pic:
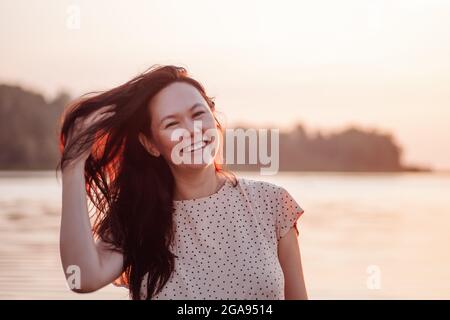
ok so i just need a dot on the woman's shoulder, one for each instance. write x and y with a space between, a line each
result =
268 189
276 200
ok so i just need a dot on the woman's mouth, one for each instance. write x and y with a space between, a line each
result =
197 146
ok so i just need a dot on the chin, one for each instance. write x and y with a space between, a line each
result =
199 166
202 165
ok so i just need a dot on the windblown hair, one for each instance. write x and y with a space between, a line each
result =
132 191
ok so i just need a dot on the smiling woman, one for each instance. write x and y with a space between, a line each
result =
180 111
165 229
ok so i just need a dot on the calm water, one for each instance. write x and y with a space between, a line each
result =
363 236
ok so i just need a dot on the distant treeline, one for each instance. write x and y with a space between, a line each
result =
29 141
28 129
351 149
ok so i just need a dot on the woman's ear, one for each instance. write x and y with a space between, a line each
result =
148 145
213 105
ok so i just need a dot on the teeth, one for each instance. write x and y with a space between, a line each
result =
195 146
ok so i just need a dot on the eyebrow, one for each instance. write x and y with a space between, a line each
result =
198 104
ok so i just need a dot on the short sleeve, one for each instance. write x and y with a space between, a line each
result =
287 213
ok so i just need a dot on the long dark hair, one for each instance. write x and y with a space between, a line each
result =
132 191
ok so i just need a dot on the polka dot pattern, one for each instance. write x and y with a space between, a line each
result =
227 243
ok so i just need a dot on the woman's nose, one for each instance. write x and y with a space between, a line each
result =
195 128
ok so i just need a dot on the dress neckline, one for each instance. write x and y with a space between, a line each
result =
211 196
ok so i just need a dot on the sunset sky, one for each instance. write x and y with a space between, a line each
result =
326 64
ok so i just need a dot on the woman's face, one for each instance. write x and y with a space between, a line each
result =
183 127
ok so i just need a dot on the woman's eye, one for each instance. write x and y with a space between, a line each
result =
170 124
198 113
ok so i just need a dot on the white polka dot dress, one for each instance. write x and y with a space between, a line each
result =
226 243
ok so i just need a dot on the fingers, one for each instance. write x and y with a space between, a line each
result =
106 114
97 116
81 123
106 110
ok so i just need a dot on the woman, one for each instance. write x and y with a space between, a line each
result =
165 229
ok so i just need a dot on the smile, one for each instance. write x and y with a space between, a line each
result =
196 146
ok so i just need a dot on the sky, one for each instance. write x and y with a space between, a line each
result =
381 65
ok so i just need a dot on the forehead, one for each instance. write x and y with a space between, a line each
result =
175 98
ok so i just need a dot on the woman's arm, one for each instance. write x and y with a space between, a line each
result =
290 261
98 265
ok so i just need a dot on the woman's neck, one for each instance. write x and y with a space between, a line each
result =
197 183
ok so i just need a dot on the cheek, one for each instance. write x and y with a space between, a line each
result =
166 142
210 126
208 122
